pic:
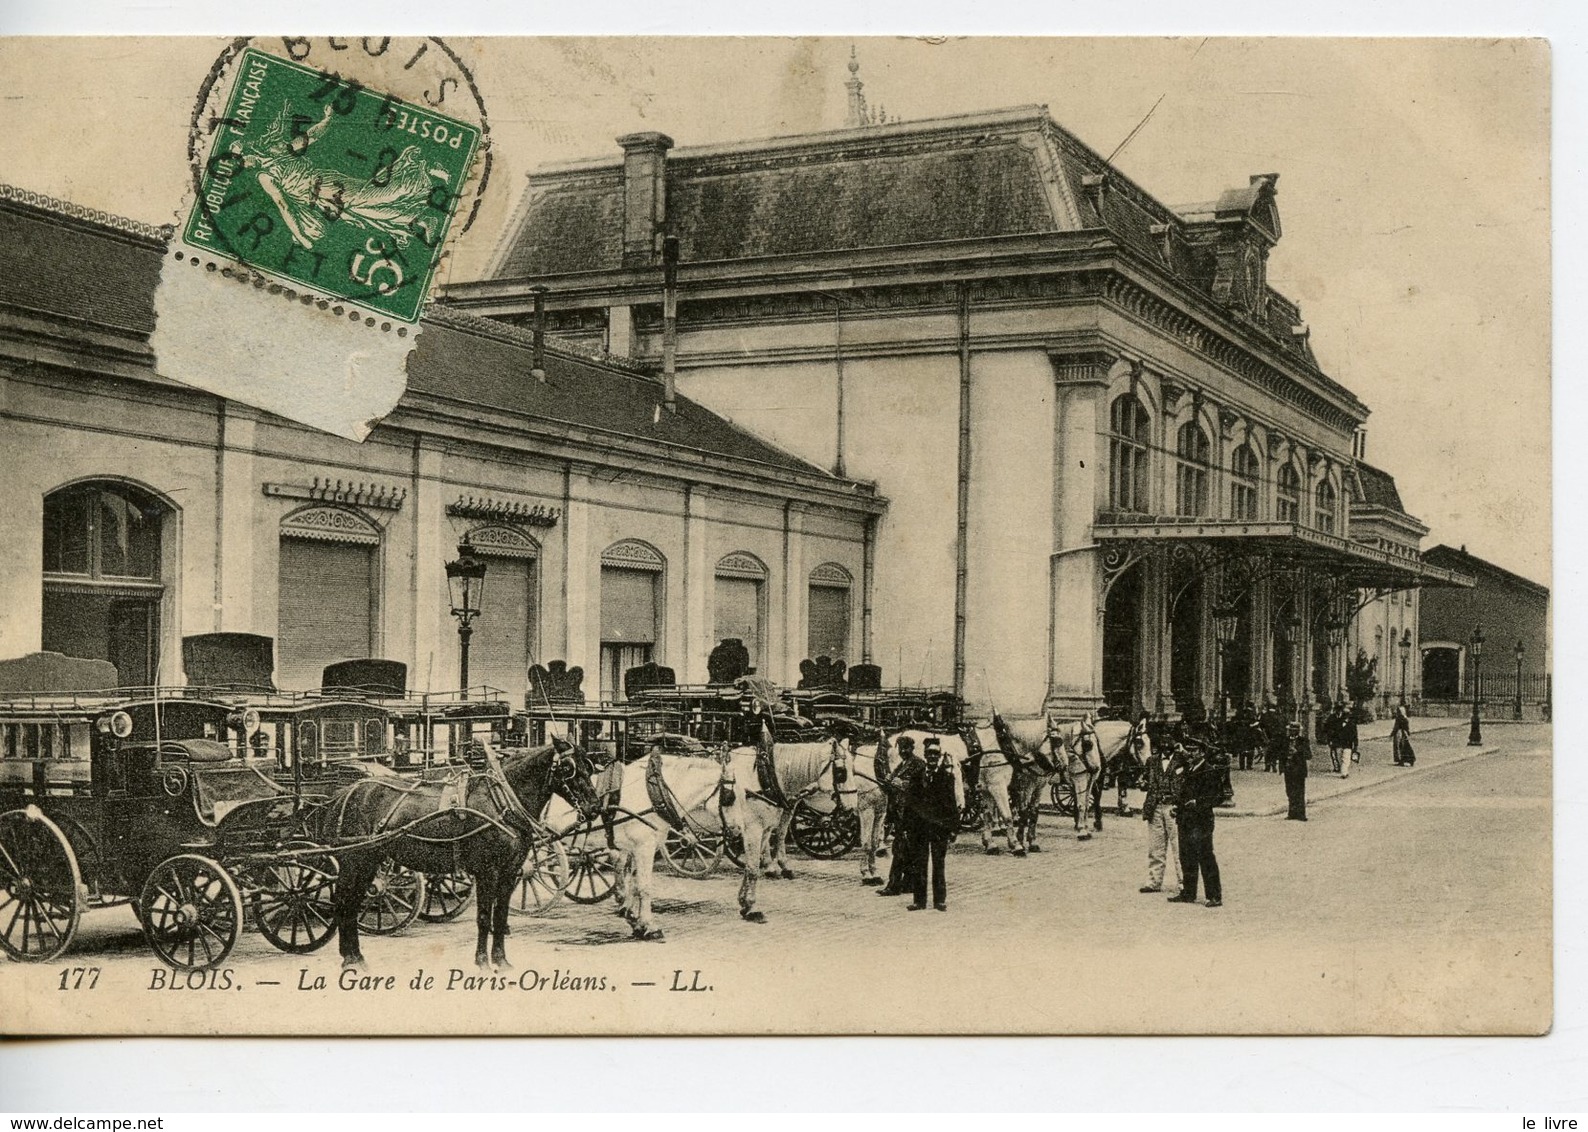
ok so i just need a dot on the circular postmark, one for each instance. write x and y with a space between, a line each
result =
336 168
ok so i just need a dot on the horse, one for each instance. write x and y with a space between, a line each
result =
771 779
478 822
1075 753
995 781
870 761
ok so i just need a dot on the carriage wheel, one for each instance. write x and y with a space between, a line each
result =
970 816
39 886
825 837
591 874
692 855
1063 796
192 912
394 899
294 905
545 878
446 895
91 866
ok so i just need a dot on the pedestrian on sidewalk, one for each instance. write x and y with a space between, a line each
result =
1273 725
900 879
933 800
1297 753
1343 743
1401 739
1162 773
1200 792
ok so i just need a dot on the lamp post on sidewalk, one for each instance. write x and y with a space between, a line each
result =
466 584
1406 654
1520 649
1475 647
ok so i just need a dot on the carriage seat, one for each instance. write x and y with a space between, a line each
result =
217 792
198 751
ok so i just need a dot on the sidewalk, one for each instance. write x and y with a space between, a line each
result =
1259 794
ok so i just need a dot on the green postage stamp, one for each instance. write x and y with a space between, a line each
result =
316 180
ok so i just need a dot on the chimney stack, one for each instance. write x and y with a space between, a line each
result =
644 195
670 323
537 365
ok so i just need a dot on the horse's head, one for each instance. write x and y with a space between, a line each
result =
571 770
843 774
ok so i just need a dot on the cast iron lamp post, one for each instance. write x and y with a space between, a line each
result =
1226 620
1406 654
1520 649
466 584
1475 645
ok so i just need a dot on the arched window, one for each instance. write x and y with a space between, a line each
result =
103 544
739 604
829 607
1127 455
1288 509
1323 511
327 593
1191 471
632 573
505 635
1243 483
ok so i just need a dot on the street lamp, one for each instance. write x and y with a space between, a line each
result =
1335 631
1226 620
466 584
1475 645
1519 651
1406 655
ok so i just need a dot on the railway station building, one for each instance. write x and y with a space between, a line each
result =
1116 473
618 526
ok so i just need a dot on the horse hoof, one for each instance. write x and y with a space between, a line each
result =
1021 852
882 852
352 961
787 874
649 935
990 850
753 917
1033 848
871 882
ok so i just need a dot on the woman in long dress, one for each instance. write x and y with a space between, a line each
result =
1401 739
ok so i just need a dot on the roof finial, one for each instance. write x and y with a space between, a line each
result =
857 101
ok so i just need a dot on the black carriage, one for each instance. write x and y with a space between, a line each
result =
145 797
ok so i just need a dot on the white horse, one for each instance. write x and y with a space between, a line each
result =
760 812
1073 753
695 787
994 782
869 764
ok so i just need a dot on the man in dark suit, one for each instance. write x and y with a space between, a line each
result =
900 880
1201 790
933 797
1296 755
1273 725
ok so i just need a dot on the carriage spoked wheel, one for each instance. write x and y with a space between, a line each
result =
825 837
970 816
591 874
192 912
394 899
446 895
39 887
294 901
687 853
1062 794
545 878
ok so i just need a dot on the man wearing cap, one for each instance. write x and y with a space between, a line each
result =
900 880
1161 774
1344 739
1297 752
933 800
1201 791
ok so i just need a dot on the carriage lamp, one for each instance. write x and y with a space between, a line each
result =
1406 654
1520 651
466 584
119 725
1475 646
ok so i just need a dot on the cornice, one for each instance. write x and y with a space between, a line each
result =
80 216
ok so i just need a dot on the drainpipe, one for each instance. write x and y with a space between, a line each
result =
537 365
868 574
962 502
670 324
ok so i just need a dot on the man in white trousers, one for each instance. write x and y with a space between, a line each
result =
1163 772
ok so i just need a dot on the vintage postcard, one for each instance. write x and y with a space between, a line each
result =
775 536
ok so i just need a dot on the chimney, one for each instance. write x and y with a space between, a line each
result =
670 323
644 195
537 365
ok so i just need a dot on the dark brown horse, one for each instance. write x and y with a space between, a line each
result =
480 823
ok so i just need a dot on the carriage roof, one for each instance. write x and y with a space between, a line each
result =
629 712
90 704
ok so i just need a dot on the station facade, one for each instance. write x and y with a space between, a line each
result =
1116 472
617 529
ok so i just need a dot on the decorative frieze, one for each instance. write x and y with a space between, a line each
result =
378 496
504 511
504 542
632 554
330 524
741 565
831 574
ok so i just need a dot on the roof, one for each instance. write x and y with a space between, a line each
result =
1378 488
67 262
1458 559
483 362
1002 173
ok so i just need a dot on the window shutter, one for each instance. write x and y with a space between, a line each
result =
628 605
325 597
503 633
737 613
829 622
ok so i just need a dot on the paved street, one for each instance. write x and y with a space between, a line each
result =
1419 899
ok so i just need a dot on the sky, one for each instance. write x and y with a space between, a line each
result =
1413 186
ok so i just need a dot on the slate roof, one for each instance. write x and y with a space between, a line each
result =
999 174
1378 488
62 261
1454 558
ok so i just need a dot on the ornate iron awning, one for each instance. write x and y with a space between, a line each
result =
1128 538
